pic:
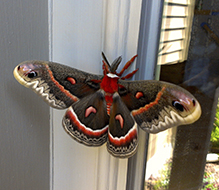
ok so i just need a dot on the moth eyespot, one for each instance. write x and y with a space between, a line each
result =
71 80
120 119
32 74
90 110
193 102
178 105
139 95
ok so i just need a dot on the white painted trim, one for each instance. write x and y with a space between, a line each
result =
148 44
80 31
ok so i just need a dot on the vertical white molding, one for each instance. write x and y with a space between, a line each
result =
121 29
77 42
120 38
80 31
148 43
50 11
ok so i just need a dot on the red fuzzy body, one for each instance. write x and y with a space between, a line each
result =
110 86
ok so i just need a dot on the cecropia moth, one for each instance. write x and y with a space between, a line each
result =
107 108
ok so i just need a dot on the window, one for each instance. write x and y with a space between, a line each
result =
194 50
176 27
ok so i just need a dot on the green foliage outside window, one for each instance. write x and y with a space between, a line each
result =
215 131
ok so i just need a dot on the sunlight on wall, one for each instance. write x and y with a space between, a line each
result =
159 151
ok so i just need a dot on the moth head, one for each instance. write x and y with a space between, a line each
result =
27 72
111 75
107 68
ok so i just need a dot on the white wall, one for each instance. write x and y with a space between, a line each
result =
24 117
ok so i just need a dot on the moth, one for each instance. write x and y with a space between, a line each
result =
108 109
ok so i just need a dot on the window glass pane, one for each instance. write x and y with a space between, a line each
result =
173 23
176 26
177 157
176 11
169 58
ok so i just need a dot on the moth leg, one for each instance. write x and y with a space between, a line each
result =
127 65
129 75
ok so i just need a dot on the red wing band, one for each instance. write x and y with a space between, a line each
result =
124 146
81 133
